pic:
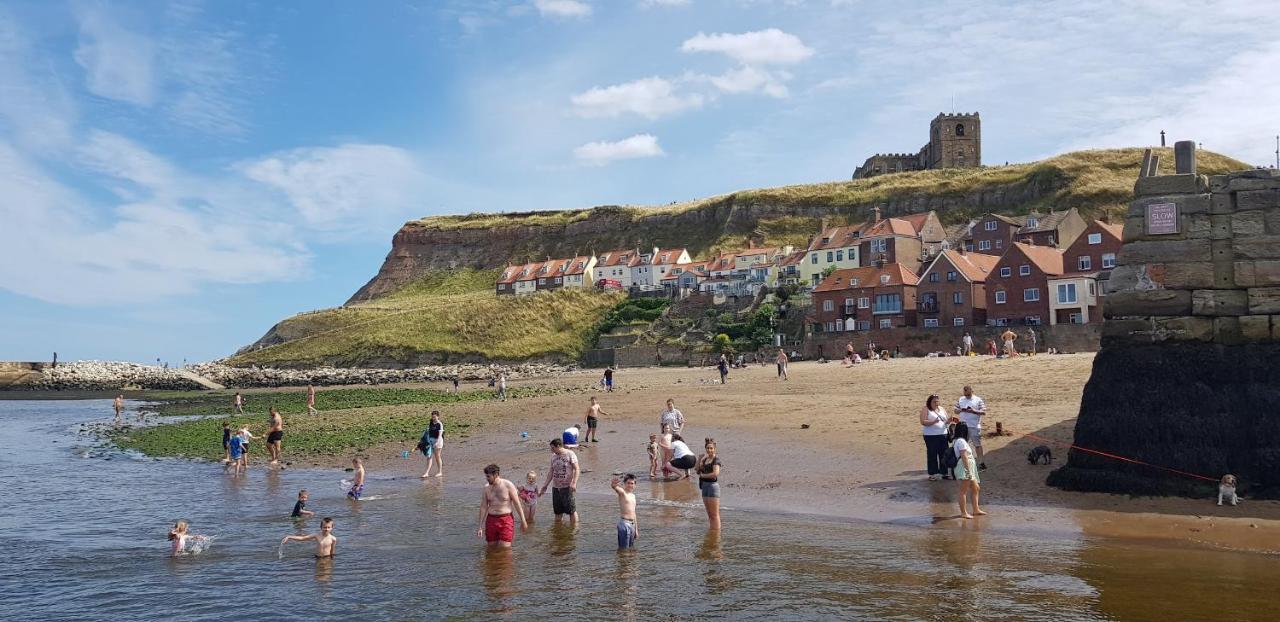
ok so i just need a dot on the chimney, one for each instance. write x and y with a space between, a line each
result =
876 213
823 225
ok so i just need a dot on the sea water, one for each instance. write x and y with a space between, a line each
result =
83 535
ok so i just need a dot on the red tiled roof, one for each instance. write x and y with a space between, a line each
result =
1048 259
794 258
837 237
917 221
974 266
868 277
667 256
1114 229
578 265
510 274
626 257
533 271
891 226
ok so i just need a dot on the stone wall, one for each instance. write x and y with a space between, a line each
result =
915 341
1187 377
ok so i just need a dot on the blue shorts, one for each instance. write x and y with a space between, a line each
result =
355 492
235 455
626 533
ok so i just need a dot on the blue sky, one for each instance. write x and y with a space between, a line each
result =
177 176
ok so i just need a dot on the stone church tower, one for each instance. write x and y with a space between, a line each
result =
955 141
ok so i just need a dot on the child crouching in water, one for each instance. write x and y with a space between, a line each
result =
529 495
180 541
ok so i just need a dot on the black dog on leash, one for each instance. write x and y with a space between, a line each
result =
1041 452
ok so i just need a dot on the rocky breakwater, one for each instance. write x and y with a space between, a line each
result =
114 376
1186 380
247 377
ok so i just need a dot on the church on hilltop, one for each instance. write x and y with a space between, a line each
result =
955 141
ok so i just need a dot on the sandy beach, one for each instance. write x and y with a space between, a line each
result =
861 456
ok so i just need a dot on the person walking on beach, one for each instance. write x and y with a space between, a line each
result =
119 406
970 408
1031 338
628 531
326 542
671 417
782 360
455 385
608 379
966 344
502 386
311 400
563 479
499 505
432 444
933 424
708 469
274 436
966 472
723 366
239 403
681 456
593 421
1008 336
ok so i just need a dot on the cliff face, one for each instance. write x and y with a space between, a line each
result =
422 246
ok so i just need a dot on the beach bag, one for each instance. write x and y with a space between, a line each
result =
950 459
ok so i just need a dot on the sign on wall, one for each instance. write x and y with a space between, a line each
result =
1162 218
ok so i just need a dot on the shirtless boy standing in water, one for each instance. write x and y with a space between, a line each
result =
627 529
326 542
357 481
119 405
499 505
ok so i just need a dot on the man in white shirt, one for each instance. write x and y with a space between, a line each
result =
971 409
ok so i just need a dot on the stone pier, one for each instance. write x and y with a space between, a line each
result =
1188 374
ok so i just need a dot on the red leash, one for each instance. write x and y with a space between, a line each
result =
1121 458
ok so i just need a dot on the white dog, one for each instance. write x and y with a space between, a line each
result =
1227 490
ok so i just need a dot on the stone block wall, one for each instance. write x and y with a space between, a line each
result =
916 341
1188 374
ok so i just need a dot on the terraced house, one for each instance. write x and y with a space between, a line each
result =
546 275
952 289
836 247
881 296
657 265
1017 288
993 233
616 266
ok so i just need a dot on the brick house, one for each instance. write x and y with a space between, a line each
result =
992 234
892 240
506 285
1017 288
881 296
1055 229
1094 249
952 289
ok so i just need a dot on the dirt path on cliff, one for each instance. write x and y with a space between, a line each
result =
861 455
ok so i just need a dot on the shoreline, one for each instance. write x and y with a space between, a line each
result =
857 461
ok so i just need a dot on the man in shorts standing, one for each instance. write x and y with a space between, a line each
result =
1007 337
563 479
311 400
782 364
593 420
1031 337
499 505
608 379
627 529
971 409
275 435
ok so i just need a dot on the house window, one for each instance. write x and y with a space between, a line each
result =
1066 293
1032 320
542 281
931 322
830 256
1095 238
828 305
813 259
1006 272
839 325
957 321
1084 262
958 298
559 280
1002 321
1092 289
886 323
1031 294
1000 298
864 324
999 243
934 277
990 225
984 245
880 245
864 302
1024 270
831 326
951 276
1032 223
839 255
884 279
501 286
848 302
888 303
1076 318
1108 260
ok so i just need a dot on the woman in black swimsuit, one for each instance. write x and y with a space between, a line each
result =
708 468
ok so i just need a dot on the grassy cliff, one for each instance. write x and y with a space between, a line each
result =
441 318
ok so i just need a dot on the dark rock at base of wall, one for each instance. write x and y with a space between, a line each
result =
1201 408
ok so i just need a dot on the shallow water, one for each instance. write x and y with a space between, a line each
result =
84 538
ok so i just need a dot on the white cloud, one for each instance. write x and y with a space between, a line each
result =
119 63
352 186
602 153
648 97
562 8
763 47
751 79
36 111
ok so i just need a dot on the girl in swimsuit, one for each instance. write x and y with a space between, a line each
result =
179 539
529 495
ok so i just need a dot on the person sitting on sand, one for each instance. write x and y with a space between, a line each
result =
682 457
966 472
326 542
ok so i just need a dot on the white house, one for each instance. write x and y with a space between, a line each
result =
1073 299
659 265
616 266
642 271
580 269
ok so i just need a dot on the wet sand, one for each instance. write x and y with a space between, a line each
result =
861 456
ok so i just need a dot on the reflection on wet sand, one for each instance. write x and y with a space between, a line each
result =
324 569
498 567
563 538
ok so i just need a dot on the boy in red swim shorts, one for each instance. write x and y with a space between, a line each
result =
499 507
